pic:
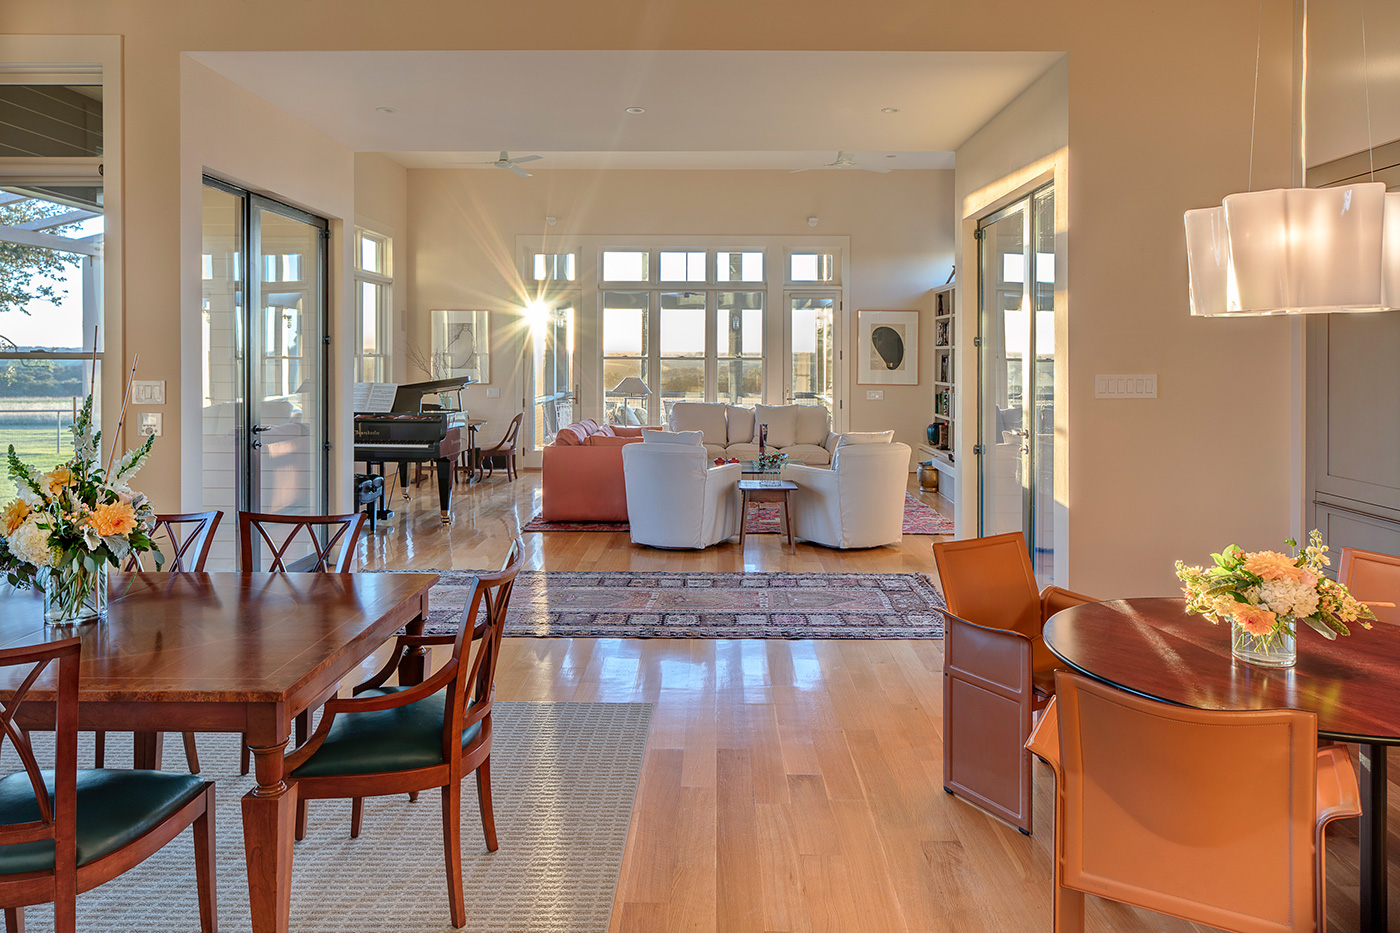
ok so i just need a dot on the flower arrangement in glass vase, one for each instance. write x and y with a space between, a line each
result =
66 527
1264 594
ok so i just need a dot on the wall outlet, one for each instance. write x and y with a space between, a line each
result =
148 391
875 395
148 422
1138 385
493 393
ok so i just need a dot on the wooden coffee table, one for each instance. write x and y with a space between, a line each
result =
767 490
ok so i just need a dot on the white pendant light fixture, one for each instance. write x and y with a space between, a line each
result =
1296 250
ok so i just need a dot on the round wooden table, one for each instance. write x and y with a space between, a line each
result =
1151 647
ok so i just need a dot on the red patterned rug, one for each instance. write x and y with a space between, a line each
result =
765 519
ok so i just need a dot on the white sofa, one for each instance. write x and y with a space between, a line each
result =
675 497
803 432
858 502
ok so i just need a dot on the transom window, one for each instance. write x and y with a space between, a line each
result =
812 267
556 267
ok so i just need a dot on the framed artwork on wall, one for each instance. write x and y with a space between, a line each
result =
462 344
887 348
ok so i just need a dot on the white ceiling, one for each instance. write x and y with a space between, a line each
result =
704 109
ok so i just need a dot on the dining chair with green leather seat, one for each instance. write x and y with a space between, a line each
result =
64 831
392 740
1213 816
997 672
188 552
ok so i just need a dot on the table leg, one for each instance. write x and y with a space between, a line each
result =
787 518
269 817
743 517
146 749
1374 909
413 667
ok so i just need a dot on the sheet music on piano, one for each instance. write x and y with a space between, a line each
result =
375 396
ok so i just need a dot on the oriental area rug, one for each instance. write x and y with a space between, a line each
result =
766 519
702 604
564 777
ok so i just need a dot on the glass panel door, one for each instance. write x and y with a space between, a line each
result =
812 338
1017 363
224 348
552 363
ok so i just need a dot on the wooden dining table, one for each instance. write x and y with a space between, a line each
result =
1151 647
226 652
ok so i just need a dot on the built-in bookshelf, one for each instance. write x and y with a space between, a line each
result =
943 418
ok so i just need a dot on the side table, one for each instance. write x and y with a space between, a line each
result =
767 490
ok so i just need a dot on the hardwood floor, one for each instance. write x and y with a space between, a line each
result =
788 786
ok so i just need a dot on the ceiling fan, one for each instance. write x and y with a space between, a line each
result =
843 160
507 163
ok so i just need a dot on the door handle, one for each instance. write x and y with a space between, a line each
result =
258 428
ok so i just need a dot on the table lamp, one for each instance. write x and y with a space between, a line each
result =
631 388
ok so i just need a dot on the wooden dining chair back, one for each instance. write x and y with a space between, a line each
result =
282 538
65 831
1212 816
505 451
1372 577
189 548
394 740
997 672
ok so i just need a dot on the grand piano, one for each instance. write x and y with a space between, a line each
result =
415 433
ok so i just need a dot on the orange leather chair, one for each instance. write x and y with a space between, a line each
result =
1372 577
1212 816
997 671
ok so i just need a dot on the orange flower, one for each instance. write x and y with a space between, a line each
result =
1271 565
57 478
116 518
1253 620
13 516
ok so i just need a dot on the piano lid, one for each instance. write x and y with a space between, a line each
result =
410 396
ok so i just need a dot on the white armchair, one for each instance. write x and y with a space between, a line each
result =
676 499
859 502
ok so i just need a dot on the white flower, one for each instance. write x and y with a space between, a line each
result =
30 543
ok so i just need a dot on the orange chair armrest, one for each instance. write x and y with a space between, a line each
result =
996 659
1044 740
1338 795
1054 598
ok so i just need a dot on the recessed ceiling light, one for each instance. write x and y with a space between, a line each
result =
636 110
889 110
385 110
890 156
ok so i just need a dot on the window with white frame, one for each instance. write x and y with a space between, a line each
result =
374 285
553 267
813 267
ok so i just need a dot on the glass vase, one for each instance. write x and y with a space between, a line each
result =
1279 648
73 594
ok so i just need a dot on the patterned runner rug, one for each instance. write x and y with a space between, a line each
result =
564 778
667 604
765 519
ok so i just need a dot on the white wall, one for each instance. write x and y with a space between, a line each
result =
381 205
464 223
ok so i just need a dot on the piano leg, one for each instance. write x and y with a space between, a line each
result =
403 478
385 513
444 476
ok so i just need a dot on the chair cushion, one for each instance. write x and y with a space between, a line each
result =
672 437
115 807
781 421
705 417
716 450
385 740
813 424
740 424
1043 667
809 454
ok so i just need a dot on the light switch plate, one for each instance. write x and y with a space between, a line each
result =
493 393
148 392
1135 385
148 422
875 395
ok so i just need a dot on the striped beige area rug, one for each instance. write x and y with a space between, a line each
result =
564 777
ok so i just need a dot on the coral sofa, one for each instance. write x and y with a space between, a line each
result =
803 432
582 469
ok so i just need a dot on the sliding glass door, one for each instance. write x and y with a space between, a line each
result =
1017 363
265 359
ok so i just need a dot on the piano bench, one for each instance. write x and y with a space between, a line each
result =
369 489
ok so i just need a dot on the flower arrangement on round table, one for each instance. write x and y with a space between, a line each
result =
67 526
1263 594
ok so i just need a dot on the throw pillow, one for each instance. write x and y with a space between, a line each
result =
867 437
605 430
571 436
672 437
781 421
813 424
741 424
705 417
